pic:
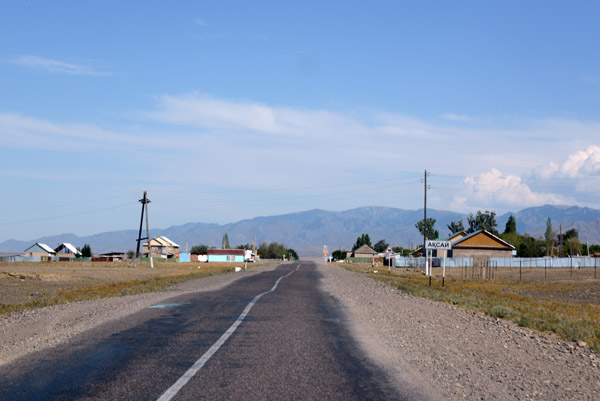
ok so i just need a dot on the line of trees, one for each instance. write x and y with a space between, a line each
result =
552 244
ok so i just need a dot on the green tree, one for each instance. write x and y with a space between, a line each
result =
380 246
482 221
130 254
364 239
430 232
455 226
271 251
291 254
225 242
571 244
531 247
401 251
511 225
339 254
86 251
199 249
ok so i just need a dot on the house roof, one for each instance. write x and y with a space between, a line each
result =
162 241
364 249
69 247
457 236
485 239
44 247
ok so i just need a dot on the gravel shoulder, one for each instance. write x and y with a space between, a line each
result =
37 329
456 354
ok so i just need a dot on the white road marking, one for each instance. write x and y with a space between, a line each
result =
174 389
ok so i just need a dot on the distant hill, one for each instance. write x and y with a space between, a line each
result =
308 231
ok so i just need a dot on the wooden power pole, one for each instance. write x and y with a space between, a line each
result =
144 201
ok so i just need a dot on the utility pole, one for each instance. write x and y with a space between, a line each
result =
425 253
144 201
560 243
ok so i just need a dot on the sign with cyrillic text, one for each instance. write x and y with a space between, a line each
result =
444 245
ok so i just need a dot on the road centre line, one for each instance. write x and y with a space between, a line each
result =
174 389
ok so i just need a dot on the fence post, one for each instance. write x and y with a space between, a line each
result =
571 261
520 269
545 268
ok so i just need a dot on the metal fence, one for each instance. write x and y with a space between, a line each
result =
436 262
41 259
20 259
575 263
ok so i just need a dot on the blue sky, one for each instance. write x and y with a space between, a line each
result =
230 110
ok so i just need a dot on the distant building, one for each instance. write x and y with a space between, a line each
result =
67 250
39 250
364 254
113 256
481 245
226 255
162 247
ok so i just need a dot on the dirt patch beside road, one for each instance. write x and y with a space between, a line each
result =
459 354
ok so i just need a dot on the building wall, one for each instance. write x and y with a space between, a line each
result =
36 254
481 253
226 258
364 256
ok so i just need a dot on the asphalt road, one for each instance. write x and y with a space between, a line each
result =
291 345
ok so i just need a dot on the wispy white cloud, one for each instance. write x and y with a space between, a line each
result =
535 163
38 134
55 66
463 118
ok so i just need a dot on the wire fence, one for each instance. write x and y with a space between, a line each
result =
508 268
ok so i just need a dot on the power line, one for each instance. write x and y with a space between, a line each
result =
68 215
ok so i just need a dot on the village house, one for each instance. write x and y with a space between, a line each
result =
226 255
162 247
66 250
481 245
39 250
363 254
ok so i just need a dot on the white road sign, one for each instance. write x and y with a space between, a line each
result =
429 244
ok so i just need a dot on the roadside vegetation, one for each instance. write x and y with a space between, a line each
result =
569 309
119 283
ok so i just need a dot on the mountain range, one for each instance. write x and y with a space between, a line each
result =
307 232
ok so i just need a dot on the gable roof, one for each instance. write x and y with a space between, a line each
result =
482 239
70 248
364 249
43 247
161 241
457 236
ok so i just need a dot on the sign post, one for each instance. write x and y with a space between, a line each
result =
389 253
441 245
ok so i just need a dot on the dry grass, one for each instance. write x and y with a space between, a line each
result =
570 309
33 285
